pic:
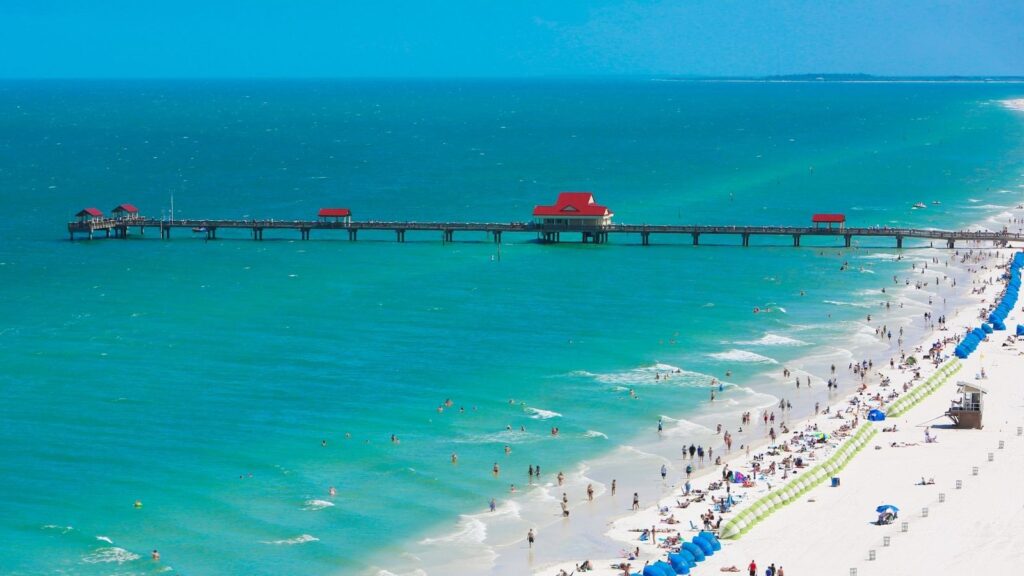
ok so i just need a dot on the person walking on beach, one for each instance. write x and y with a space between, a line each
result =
590 492
664 471
636 501
613 487
752 569
493 505
530 537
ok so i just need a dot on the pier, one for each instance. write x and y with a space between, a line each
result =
575 214
549 233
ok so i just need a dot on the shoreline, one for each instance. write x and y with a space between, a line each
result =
767 534
487 548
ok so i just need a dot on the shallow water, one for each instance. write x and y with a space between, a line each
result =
201 378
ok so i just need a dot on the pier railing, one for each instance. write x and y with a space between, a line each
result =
546 232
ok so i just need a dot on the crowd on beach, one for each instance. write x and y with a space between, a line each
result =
785 448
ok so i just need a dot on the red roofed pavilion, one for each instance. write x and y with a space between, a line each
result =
573 208
89 214
829 219
337 214
125 211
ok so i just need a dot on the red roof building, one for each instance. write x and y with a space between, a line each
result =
337 214
89 214
574 208
829 219
125 211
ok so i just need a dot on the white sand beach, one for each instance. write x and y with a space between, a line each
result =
968 521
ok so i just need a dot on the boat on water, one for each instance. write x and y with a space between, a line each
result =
198 229
919 205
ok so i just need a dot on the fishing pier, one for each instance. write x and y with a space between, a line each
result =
575 215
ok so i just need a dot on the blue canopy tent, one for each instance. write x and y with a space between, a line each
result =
876 415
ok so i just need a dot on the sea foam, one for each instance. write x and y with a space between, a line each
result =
770 339
297 540
736 355
111 554
470 530
317 504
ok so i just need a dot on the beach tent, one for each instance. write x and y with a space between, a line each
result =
692 548
876 415
679 564
704 545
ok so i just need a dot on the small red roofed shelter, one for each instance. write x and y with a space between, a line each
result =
336 214
829 219
89 214
573 208
125 211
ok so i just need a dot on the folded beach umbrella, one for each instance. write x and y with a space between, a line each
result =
987 328
998 325
1020 329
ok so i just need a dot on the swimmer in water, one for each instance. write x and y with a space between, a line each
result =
332 491
455 458
156 555
496 469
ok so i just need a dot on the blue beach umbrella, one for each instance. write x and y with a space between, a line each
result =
887 508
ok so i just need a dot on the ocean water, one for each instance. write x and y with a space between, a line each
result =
201 378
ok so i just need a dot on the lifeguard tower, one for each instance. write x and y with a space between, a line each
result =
966 412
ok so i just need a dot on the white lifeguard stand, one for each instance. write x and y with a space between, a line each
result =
967 412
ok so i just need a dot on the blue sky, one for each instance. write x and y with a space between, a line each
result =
465 38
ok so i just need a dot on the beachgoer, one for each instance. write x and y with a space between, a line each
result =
664 471
613 487
636 501
530 537
561 478
332 491
156 555
590 492
496 469
455 458
493 505
752 568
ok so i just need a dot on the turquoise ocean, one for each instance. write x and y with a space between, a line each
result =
202 378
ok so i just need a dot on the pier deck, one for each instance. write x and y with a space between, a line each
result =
119 228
